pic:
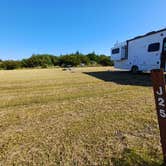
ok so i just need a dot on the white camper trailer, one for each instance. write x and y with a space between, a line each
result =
142 53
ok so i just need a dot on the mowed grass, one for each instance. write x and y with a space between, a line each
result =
89 116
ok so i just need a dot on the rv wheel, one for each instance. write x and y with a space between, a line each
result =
134 69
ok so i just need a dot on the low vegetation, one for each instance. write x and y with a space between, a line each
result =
87 116
45 61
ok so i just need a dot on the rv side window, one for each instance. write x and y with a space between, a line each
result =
154 47
115 51
165 46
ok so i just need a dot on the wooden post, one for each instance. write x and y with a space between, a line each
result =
158 80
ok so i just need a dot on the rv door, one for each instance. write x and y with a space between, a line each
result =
163 55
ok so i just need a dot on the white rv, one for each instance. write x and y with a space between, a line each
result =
142 53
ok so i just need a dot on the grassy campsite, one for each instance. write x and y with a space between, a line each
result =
86 116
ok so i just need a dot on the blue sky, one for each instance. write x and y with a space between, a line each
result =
63 26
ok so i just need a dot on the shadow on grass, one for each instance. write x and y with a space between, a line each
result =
130 158
123 77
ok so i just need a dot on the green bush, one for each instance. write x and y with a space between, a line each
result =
105 61
67 60
43 60
93 57
54 60
10 64
46 60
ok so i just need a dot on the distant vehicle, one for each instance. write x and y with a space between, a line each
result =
142 53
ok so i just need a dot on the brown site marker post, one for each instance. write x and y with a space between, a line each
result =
158 80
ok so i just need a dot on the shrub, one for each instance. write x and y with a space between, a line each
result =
105 60
10 64
66 60
46 60
93 57
39 61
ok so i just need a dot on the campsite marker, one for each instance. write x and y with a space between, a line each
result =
158 80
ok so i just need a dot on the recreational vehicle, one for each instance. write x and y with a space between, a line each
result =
142 53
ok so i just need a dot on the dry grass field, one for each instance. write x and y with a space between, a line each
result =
87 117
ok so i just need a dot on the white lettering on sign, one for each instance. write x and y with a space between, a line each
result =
160 92
161 102
162 113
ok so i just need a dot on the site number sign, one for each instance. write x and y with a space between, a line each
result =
158 80
161 102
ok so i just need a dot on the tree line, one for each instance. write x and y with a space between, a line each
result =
46 60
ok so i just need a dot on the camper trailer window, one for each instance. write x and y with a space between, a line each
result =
115 51
154 47
165 46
